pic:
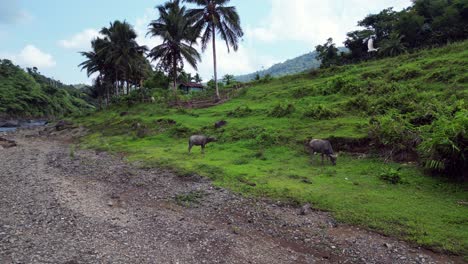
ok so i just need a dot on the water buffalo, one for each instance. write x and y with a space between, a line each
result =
200 140
323 147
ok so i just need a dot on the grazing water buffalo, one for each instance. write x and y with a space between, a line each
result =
323 147
200 140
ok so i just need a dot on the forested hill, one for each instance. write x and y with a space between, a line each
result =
31 94
299 64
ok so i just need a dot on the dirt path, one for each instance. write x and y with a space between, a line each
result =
85 207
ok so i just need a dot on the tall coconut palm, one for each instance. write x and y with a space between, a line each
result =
178 35
215 17
122 50
116 57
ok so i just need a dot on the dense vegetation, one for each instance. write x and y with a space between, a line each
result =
30 94
408 108
426 23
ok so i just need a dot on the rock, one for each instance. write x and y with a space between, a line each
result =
387 245
305 209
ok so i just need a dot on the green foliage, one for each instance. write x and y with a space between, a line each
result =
445 145
281 110
31 94
240 111
393 131
327 54
320 112
392 176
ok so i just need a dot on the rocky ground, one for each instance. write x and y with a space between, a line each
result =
60 205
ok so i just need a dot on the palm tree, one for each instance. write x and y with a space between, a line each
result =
122 50
392 45
178 35
215 17
117 57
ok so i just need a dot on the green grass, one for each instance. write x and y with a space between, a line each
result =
258 154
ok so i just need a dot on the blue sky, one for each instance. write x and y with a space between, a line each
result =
49 34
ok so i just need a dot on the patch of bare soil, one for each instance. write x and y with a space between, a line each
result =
87 207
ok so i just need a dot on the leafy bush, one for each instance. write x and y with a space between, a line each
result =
392 176
267 138
346 85
445 146
320 112
282 111
358 103
240 111
302 92
393 132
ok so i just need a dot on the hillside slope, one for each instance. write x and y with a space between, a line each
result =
395 103
32 95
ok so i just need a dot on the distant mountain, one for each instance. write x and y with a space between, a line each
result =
292 66
299 64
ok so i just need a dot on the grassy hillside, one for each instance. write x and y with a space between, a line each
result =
33 95
260 152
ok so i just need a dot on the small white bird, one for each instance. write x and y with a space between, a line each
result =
370 44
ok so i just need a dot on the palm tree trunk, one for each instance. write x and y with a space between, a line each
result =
174 64
214 62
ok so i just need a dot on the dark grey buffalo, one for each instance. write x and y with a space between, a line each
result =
200 140
323 147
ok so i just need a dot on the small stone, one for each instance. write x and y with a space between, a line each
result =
333 247
388 245
110 204
305 209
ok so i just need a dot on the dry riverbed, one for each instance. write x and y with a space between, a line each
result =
59 205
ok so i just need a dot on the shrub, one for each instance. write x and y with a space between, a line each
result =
240 111
302 92
267 138
358 103
394 133
320 112
391 176
347 85
282 111
445 146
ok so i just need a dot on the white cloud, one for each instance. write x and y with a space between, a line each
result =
30 56
141 28
81 40
313 21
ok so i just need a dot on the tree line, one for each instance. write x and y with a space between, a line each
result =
121 64
426 23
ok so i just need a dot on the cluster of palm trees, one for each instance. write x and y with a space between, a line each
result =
117 59
121 64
